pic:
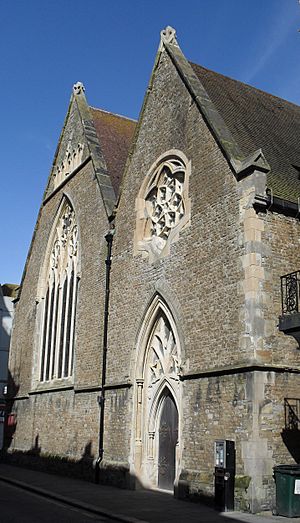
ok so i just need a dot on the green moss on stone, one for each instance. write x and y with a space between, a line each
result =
242 482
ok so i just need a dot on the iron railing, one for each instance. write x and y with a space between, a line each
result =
292 413
290 288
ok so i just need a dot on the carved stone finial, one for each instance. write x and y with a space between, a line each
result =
78 88
168 35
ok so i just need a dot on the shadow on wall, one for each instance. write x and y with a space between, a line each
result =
144 505
35 459
117 475
291 439
114 475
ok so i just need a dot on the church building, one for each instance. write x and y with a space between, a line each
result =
162 285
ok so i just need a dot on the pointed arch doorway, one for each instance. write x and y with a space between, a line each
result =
167 442
156 445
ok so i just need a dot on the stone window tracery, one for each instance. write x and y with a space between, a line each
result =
163 355
59 313
71 161
163 206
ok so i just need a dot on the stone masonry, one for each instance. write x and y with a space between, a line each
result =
194 323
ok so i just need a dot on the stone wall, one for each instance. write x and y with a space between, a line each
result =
247 408
200 275
282 239
221 285
221 281
199 279
63 422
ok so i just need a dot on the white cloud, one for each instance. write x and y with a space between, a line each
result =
281 24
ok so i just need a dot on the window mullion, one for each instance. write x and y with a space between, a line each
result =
47 333
66 322
76 283
50 334
73 311
56 328
53 327
44 335
60 301
69 319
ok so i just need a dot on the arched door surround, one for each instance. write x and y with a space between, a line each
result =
156 445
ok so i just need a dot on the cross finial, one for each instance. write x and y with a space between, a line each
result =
78 88
168 35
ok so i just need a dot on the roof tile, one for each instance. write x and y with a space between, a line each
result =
259 120
115 134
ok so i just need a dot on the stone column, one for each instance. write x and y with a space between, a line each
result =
151 445
138 427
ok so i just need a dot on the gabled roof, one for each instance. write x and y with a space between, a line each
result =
256 120
115 134
108 137
255 130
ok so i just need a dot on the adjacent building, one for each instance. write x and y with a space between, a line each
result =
8 292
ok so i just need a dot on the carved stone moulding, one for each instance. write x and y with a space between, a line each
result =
163 206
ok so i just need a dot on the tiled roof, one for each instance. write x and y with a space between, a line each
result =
259 120
115 134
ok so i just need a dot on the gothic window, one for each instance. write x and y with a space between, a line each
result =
59 314
163 205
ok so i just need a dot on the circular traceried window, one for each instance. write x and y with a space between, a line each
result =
163 209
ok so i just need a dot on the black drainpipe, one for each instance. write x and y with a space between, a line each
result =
101 398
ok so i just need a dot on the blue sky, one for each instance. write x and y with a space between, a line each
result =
48 45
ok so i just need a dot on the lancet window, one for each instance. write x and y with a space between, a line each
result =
59 313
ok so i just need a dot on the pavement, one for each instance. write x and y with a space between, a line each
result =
128 506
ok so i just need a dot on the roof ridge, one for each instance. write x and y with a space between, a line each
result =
114 114
245 84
